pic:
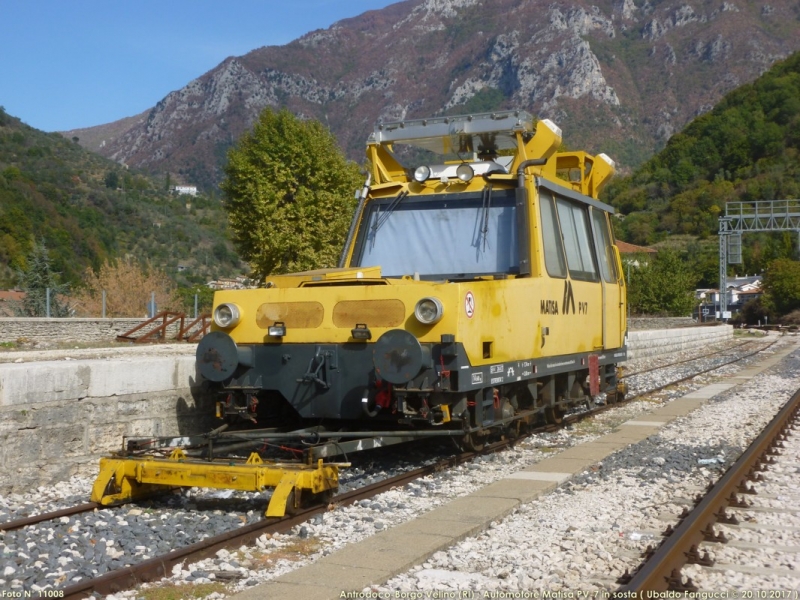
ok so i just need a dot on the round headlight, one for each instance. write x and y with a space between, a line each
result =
464 172
226 315
422 173
429 310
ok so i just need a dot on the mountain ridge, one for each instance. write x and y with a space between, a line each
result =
619 76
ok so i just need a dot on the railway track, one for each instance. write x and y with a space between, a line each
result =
50 515
573 418
687 360
694 374
687 541
161 566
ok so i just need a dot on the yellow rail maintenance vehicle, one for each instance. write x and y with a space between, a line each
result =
477 292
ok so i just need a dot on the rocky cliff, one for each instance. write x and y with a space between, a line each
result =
619 76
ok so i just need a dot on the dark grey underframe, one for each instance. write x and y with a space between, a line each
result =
514 371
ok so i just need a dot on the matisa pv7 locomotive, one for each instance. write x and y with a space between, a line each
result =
477 291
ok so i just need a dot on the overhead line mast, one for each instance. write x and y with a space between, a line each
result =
743 217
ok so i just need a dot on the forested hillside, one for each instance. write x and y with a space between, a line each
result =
747 149
88 209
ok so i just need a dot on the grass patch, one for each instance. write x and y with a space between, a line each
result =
748 333
294 551
179 592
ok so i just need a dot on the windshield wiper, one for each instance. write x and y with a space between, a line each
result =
486 204
384 215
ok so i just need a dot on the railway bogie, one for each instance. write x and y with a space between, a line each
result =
475 292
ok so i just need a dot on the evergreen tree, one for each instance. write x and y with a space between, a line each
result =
289 195
35 279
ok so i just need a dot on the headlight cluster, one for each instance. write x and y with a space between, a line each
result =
464 172
226 315
429 310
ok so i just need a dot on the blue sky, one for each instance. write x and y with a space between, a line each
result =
76 63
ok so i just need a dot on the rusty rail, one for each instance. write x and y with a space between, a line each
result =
662 569
49 516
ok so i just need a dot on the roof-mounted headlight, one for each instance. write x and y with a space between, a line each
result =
464 172
429 310
422 173
226 315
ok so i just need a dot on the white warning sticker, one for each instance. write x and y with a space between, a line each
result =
469 304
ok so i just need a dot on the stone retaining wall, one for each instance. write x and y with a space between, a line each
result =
32 329
57 418
658 342
637 323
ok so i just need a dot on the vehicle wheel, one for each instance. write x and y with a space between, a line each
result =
513 431
554 415
472 442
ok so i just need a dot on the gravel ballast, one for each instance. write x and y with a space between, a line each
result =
593 526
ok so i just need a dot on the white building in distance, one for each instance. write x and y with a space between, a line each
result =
185 189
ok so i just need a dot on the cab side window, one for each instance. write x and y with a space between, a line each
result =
551 237
602 242
574 220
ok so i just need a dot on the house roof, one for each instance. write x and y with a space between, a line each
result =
13 295
747 279
626 248
6 298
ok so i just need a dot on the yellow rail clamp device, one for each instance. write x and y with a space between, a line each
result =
128 479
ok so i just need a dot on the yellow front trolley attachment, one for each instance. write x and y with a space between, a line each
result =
128 479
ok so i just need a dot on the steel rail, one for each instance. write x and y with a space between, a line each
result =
662 570
49 516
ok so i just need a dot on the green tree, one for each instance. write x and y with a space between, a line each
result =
35 279
663 284
782 285
754 312
288 194
112 180
205 299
